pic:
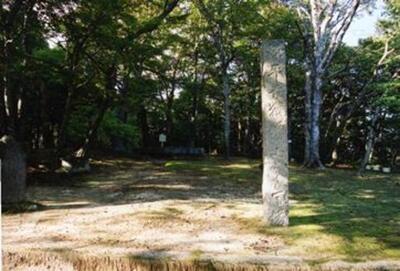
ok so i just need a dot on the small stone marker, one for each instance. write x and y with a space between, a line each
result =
275 186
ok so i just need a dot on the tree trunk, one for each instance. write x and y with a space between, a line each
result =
369 144
313 102
12 171
111 77
169 120
195 109
308 115
334 154
246 135
144 126
74 58
239 145
315 160
118 143
3 82
45 122
65 118
12 110
195 100
83 151
394 159
227 113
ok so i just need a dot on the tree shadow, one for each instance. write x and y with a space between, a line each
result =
126 181
364 212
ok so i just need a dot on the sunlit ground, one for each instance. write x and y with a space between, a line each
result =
209 209
333 213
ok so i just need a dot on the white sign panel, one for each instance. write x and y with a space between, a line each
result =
162 138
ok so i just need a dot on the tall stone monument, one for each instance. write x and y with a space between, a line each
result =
275 186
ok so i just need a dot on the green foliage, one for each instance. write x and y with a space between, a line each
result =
79 123
112 128
161 69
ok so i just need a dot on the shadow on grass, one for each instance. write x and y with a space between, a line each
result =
333 209
363 212
135 181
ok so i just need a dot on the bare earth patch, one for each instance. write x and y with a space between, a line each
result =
138 210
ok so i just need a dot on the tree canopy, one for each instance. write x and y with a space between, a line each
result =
84 76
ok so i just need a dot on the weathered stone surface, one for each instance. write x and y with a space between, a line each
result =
13 171
274 133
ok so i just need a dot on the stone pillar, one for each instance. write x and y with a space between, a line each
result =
275 186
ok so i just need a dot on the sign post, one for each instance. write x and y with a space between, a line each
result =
162 138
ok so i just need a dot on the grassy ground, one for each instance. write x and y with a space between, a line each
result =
333 212
207 208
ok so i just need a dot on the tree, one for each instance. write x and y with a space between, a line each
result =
228 24
386 85
101 39
323 25
13 170
219 33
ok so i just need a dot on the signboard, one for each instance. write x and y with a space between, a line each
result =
162 138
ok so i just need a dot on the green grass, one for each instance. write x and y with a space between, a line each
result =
237 171
334 212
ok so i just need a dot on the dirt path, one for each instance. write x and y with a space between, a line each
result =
141 209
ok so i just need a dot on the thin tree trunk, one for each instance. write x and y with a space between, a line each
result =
83 151
193 121
47 131
394 159
3 87
246 135
369 144
170 103
308 116
144 126
334 153
118 143
66 114
8 104
74 58
227 114
239 137
169 119
11 107
195 111
315 160
3 115
193 139
313 102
